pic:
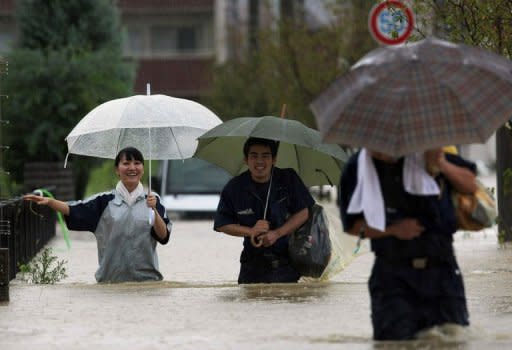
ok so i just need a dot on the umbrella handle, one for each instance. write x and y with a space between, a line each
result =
151 217
283 110
268 194
256 242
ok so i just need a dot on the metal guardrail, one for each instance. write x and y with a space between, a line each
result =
26 228
4 274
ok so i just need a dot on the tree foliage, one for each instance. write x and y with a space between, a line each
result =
66 61
293 63
56 24
486 24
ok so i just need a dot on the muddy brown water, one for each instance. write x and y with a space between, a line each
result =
200 306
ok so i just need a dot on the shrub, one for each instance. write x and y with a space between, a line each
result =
45 268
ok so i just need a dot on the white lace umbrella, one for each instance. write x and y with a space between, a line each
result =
160 126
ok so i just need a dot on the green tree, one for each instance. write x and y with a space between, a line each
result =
486 24
66 61
291 63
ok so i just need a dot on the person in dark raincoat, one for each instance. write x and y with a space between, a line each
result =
408 214
241 212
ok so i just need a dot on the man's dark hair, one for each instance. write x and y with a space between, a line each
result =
129 153
260 141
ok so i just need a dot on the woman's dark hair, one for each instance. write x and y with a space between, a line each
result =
251 141
129 153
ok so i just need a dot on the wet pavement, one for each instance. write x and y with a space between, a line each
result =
200 306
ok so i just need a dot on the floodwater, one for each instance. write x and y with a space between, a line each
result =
200 306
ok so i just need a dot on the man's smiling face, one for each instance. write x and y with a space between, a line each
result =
260 161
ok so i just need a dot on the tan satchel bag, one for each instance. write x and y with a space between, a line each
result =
475 211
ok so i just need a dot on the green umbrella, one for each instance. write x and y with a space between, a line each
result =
300 148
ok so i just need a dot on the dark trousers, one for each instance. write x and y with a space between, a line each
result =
407 297
267 268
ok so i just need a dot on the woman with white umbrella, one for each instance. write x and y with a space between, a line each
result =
126 239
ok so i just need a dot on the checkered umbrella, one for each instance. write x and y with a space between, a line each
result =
416 96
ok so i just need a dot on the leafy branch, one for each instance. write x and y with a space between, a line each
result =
44 269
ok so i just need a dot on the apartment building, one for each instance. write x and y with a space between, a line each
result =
172 42
176 42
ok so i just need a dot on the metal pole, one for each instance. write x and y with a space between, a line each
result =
148 93
503 190
4 274
4 223
151 217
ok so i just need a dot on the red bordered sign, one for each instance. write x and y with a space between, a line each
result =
391 17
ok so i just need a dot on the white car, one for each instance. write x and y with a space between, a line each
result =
190 186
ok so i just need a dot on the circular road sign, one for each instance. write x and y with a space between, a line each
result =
391 22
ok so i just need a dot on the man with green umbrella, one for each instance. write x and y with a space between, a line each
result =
265 203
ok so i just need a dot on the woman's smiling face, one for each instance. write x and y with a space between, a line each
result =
130 172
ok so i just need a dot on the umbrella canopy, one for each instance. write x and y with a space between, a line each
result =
300 148
161 127
412 97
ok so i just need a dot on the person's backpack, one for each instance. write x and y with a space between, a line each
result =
310 246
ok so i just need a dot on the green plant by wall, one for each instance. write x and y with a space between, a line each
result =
45 268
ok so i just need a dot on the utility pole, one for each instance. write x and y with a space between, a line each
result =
5 225
254 25
503 161
3 147
504 183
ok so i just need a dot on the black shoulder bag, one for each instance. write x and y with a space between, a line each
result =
310 246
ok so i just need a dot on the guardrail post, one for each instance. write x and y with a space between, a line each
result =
4 274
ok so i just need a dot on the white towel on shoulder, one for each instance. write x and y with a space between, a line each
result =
367 196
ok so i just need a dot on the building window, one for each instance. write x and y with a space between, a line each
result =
163 40
6 39
173 40
187 39
168 40
135 41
